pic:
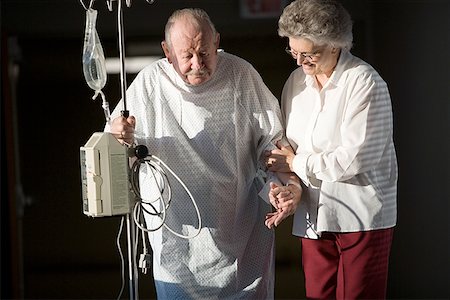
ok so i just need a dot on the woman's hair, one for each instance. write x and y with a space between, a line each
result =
197 14
324 22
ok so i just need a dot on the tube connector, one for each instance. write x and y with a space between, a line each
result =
145 262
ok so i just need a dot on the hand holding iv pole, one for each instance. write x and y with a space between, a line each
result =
123 129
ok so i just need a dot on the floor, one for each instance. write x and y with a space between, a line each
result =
77 266
105 283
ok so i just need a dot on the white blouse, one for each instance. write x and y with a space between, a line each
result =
345 153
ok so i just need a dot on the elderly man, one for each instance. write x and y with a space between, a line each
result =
210 117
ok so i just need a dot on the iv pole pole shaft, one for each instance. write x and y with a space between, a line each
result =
123 78
132 270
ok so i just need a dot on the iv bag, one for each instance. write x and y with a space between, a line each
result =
94 68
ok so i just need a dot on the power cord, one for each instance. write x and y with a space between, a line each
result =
157 207
156 165
122 260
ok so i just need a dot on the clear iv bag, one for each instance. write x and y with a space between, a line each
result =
94 68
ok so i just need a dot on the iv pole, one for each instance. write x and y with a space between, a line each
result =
131 234
131 229
123 80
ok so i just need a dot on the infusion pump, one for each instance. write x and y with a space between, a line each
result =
105 181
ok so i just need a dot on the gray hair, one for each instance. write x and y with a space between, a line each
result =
324 22
196 14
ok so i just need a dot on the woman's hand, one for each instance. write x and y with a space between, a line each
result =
280 160
285 199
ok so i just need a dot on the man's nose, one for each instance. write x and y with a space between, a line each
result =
197 62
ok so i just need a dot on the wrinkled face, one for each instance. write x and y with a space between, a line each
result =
314 59
193 51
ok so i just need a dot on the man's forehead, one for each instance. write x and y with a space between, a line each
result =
190 38
191 27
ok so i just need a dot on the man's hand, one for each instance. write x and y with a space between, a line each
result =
123 129
285 199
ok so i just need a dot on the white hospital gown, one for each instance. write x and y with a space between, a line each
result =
212 136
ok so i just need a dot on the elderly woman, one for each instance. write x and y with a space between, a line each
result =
338 117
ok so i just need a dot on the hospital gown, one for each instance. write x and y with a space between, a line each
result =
213 137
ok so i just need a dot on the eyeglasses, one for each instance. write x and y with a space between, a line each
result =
311 57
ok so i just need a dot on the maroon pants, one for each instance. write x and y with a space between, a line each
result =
347 265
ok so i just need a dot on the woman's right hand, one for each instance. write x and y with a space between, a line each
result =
280 160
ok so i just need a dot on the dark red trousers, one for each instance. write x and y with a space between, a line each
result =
347 265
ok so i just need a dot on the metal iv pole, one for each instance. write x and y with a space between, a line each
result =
131 229
131 234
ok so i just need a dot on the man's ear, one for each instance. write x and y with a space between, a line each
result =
166 50
217 42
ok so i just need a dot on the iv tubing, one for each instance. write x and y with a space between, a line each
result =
193 202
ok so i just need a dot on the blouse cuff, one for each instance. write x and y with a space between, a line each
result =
299 166
295 183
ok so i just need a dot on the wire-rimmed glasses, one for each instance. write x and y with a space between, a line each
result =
311 57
